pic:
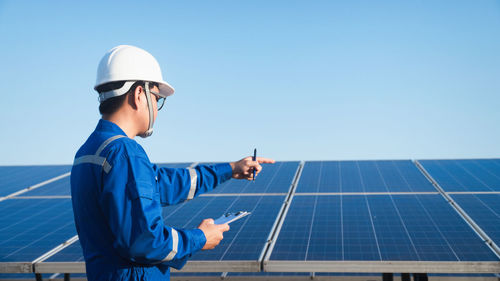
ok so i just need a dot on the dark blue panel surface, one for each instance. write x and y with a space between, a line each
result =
465 175
15 178
274 178
59 187
377 227
362 176
33 227
247 236
484 209
73 253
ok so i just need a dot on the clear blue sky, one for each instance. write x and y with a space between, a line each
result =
299 80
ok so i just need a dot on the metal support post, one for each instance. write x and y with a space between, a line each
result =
420 277
387 277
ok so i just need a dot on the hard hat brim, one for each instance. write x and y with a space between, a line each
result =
165 89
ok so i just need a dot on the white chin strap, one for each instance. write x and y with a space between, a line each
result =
149 132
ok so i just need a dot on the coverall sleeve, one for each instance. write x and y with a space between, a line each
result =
134 216
178 185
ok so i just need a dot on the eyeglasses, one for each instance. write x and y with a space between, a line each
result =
160 101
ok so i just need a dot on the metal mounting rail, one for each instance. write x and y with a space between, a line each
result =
494 247
282 216
382 266
56 250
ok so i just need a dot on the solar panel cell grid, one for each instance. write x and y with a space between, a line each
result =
60 187
484 209
377 227
465 175
247 236
274 178
362 176
15 178
33 227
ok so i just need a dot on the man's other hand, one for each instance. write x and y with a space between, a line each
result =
243 169
213 233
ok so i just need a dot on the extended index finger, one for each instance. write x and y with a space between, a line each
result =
265 160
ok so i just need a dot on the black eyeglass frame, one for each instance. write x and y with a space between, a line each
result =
160 101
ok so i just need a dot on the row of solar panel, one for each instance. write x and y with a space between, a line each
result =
356 224
318 176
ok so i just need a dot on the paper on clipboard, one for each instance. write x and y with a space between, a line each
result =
230 217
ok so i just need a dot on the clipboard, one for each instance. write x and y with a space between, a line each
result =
230 217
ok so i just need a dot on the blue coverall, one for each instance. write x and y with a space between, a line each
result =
117 197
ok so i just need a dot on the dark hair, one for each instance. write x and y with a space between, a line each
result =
111 105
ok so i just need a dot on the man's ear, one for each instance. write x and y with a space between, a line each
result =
136 97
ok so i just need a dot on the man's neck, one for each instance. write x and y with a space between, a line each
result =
125 122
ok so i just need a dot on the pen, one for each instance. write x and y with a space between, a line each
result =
254 158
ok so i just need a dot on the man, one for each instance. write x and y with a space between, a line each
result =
117 193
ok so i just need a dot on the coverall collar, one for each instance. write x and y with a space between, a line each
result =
108 126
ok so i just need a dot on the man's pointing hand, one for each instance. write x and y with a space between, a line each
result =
243 169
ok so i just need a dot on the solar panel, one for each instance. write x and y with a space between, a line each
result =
345 216
362 176
15 178
484 209
274 178
465 175
375 228
33 227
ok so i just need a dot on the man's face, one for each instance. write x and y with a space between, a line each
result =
144 112
154 100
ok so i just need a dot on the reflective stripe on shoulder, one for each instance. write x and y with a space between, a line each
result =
175 245
106 142
194 178
95 158
91 159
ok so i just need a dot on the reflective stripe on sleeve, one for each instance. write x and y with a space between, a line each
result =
194 178
175 244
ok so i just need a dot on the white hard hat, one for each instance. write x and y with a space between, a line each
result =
129 63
